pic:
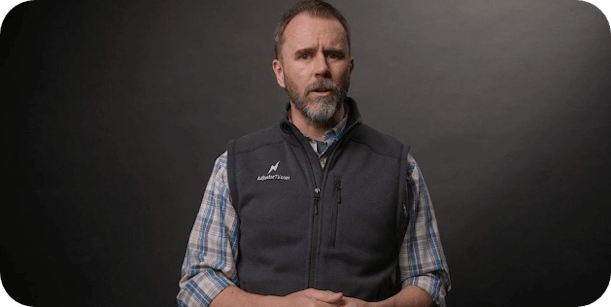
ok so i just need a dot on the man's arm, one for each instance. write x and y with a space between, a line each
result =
409 296
421 259
209 263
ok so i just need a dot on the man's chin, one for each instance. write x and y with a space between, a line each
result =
323 114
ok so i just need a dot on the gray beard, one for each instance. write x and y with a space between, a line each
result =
319 110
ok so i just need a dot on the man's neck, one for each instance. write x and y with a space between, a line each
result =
315 130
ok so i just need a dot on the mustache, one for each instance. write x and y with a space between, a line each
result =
322 84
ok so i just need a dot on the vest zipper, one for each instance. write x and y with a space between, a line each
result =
315 241
316 199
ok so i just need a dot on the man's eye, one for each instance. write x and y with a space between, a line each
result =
303 56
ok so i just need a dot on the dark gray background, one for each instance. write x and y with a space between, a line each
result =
114 111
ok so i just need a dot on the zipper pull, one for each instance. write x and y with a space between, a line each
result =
316 198
338 191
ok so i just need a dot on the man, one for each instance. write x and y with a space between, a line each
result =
320 210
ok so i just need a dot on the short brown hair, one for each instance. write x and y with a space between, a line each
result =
314 8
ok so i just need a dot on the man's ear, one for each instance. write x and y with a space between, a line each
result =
351 65
279 71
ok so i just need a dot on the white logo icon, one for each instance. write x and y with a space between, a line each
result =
273 167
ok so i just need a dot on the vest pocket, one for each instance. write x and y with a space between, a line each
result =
337 196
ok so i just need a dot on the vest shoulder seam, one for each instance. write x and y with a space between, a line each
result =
376 151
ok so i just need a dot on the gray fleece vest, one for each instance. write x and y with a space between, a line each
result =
302 226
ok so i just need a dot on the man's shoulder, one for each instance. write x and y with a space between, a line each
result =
379 142
254 140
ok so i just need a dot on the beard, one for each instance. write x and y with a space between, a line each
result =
321 109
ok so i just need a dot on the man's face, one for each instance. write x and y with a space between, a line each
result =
314 66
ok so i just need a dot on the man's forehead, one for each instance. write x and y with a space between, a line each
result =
306 29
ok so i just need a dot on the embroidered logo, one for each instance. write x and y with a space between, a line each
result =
270 176
273 167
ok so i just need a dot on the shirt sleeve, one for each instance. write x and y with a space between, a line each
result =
209 265
421 260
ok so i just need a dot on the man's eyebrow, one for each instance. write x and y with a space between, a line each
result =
335 50
313 50
332 49
305 51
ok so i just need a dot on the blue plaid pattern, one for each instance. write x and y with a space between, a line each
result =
422 262
209 264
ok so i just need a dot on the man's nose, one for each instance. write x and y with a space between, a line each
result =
321 66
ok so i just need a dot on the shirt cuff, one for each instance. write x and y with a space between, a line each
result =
201 289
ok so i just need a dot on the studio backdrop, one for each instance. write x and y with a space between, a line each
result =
114 112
